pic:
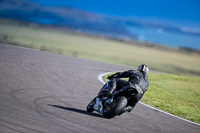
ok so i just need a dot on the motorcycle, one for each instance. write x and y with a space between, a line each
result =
113 105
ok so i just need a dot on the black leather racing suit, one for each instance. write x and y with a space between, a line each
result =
137 80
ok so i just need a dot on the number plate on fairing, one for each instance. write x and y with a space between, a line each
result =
98 106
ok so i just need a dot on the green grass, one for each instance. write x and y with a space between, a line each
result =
98 48
176 94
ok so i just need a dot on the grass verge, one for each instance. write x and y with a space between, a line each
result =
176 94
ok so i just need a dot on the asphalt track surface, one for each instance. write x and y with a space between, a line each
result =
42 92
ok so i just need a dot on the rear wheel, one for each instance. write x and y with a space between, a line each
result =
116 107
90 106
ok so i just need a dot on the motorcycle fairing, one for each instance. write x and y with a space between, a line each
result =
98 106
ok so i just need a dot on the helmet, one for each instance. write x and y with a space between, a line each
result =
143 68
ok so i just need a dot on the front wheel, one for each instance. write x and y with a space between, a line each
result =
90 106
116 107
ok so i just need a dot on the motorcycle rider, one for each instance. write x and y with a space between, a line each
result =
138 80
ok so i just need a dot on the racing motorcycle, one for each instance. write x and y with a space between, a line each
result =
113 105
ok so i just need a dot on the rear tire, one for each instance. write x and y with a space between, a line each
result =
90 106
116 107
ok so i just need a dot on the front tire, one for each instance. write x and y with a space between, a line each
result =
116 107
90 106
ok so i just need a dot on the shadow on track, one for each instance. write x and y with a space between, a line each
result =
76 110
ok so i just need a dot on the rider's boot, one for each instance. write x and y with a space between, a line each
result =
126 109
